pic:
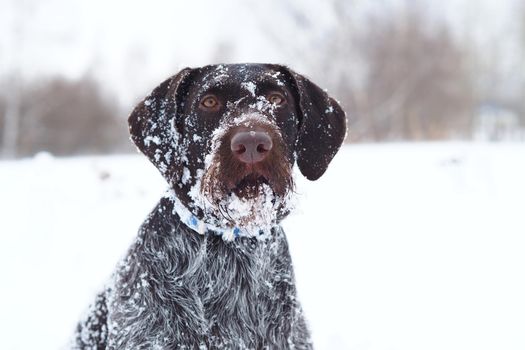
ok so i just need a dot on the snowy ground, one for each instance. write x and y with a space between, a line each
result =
398 246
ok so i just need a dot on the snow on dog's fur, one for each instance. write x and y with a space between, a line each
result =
225 188
187 282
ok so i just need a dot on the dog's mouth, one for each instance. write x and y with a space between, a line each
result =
250 200
243 193
250 185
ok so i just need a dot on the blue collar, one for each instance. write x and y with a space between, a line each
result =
203 228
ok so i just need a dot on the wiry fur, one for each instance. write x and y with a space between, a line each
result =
177 289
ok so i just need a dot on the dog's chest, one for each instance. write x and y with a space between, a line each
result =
191 288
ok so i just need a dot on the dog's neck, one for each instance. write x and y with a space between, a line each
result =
201 227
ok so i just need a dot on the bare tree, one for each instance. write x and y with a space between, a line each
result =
11 120
11 111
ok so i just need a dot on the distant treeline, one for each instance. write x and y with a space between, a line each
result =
404 76
61 117
401 75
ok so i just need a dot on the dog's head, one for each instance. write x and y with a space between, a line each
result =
226 137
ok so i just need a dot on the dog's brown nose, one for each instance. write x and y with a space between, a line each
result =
251 146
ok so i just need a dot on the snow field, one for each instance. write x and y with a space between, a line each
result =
398 246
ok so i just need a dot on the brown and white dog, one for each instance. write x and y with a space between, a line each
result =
210 268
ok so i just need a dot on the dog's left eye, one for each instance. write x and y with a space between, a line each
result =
276 98
210 102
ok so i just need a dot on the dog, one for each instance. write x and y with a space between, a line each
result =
210 268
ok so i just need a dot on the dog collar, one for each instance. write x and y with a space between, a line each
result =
203 228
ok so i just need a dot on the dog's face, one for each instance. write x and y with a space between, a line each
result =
226 138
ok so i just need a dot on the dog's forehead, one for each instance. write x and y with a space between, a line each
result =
246 76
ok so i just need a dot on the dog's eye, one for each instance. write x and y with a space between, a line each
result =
276 98
210 102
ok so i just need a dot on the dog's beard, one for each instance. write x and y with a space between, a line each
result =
252 203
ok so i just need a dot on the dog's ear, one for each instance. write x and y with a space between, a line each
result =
152 125
322 128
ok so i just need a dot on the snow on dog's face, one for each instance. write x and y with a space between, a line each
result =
245 120
226 137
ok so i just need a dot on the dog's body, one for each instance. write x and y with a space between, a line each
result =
210 268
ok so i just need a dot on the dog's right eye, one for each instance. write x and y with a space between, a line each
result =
210 103
277 99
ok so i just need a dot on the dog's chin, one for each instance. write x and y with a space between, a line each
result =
250 187
250 203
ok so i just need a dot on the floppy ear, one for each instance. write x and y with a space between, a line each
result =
152 125
321 131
